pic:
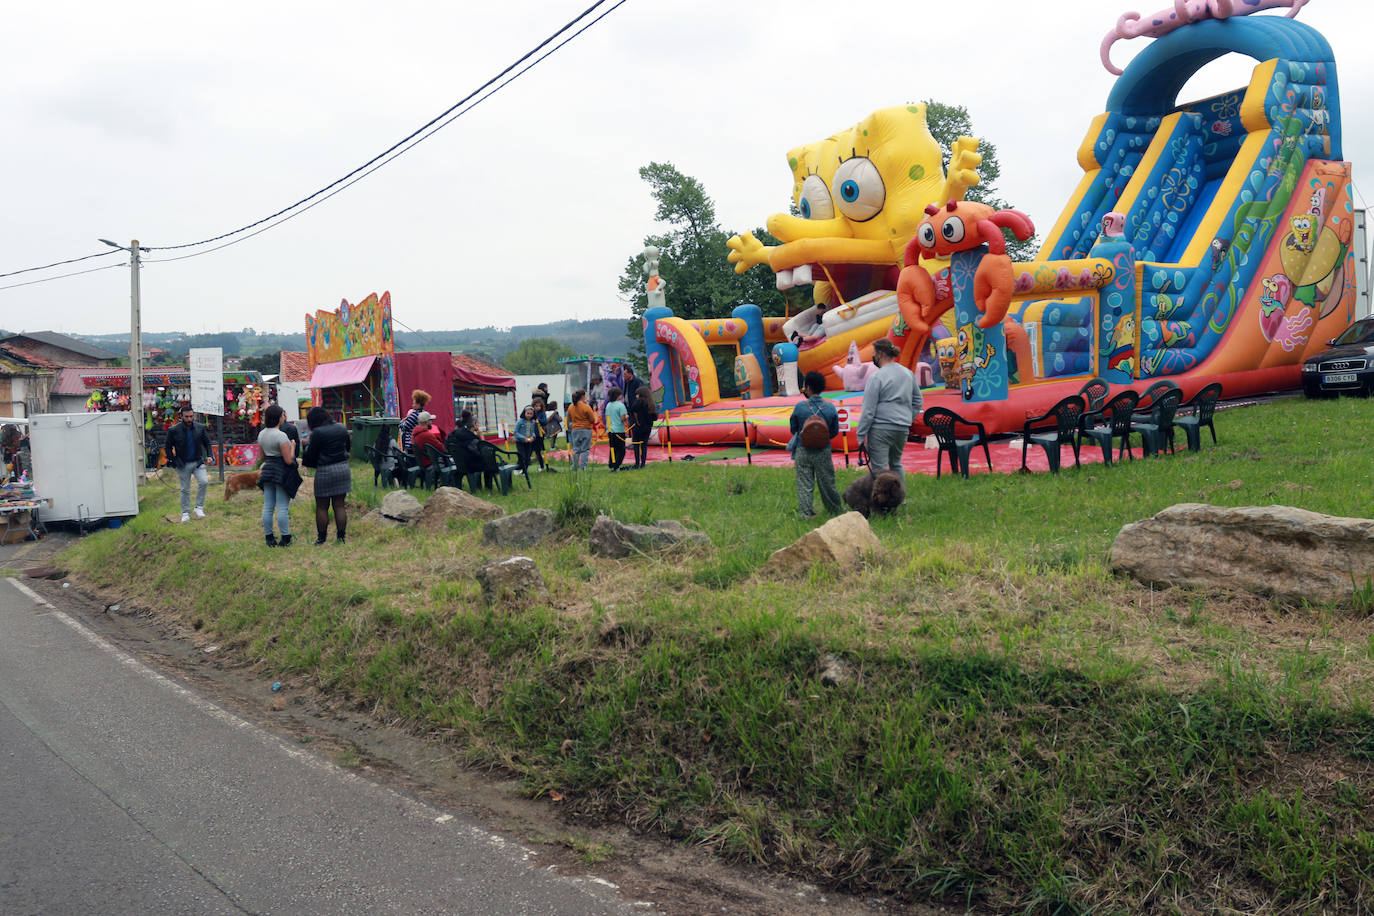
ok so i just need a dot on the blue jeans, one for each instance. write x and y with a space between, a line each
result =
184 474
275 498
581 440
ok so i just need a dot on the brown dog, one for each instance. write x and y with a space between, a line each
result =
237 482
881 492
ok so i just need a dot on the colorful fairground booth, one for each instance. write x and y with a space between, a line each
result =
167 389
356 372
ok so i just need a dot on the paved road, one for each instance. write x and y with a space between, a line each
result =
122 792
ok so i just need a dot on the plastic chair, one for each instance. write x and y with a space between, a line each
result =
383 464
945 425
1146 405
499 466
1203 405
1159 426
1094 393
1110 423
442 470
408 469
1057 427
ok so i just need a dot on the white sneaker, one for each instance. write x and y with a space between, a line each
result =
185 516
200 513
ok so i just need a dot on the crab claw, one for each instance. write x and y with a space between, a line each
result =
992 287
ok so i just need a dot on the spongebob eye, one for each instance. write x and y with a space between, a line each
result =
953 230
815 200
926 235
860 189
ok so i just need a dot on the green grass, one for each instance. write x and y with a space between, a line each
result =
1020 729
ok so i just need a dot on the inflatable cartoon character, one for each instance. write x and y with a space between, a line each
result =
785 362
953 228
854 373
860 194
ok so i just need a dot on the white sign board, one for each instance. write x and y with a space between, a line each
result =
207 380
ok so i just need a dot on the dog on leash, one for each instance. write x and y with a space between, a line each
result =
236 482
881 492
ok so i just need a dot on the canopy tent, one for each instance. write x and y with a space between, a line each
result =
343 372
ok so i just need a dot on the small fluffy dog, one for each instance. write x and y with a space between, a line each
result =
881 492
237 482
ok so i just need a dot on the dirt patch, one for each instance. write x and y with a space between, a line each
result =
678 879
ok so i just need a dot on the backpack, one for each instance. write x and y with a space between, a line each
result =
815 432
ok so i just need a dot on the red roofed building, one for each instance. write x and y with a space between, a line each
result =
295 366
26 379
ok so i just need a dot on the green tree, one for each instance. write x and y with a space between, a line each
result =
948 123
267 364
537 356
701 283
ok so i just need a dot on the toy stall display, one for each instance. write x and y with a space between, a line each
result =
167 390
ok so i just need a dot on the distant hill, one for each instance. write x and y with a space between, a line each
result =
601 336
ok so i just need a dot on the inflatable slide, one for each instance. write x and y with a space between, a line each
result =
1206 241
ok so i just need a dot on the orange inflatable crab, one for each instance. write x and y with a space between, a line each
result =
955 227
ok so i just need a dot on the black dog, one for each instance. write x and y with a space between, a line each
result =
883 492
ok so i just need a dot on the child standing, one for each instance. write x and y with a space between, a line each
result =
815 465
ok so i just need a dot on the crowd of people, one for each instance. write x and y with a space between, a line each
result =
617 401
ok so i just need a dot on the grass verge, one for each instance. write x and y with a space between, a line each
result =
1015 727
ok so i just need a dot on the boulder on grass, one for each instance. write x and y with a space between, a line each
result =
1273 550
610 538
450 502
839 544
512 581
375 517
523 529
400 506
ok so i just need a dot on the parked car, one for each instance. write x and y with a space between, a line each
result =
1348 367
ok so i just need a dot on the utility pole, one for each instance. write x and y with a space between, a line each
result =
135 357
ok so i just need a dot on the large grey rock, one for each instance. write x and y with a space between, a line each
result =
400 506
512 581
1275 550
523 529
840 544
375 517
610 538
450 502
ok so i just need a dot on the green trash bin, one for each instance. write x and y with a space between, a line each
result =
371 430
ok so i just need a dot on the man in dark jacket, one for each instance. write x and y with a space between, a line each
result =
188 449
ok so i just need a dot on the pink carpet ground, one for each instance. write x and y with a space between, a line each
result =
916 459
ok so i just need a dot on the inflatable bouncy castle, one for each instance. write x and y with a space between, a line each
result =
1206 241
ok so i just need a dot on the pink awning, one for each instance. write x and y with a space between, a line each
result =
344 372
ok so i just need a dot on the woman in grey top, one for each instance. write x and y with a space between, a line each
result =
278 454
892 402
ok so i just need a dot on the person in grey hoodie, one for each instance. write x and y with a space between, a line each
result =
892 401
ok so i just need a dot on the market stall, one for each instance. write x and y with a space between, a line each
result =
167 389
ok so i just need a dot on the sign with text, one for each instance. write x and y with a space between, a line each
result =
207 380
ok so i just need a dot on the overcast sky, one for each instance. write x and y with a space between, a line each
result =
172 122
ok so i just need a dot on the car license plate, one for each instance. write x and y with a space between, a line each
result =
1339 378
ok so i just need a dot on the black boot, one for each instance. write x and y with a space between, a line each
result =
319 540
271 540
285 541
342 540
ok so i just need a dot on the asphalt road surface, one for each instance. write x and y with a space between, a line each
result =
123 792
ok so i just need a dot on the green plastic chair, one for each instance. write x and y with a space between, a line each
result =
1203 405
945 425
1057 427
1159 427
1105 426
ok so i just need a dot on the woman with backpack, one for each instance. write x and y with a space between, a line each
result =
814 423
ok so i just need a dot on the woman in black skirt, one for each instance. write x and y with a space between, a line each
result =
327 453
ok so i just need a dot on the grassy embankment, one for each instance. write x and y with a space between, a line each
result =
1020 728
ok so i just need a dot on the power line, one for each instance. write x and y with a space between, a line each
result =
413 134
393 153
396 150
76 273
28 270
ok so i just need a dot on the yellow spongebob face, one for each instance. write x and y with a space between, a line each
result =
1302 232
861 194
1123 335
